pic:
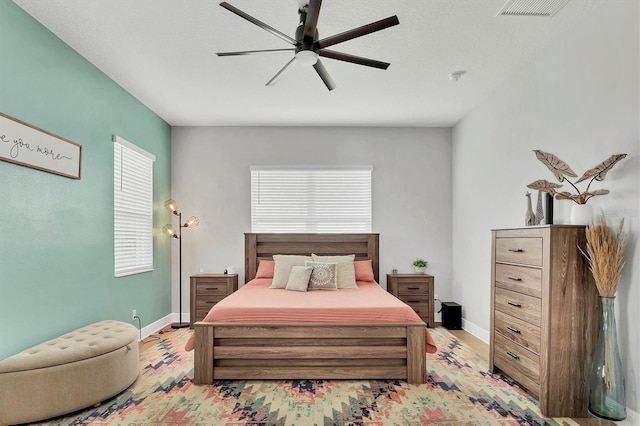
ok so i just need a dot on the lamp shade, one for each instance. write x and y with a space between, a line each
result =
191 222
170 231
172 206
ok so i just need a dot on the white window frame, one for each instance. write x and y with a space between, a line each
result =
132 208
287 199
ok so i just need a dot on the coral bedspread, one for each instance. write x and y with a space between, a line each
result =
256 302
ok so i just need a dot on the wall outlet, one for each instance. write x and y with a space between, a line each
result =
134 314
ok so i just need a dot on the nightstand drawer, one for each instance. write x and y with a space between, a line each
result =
410 299
211 287
422 309
413 286
518 363
519 278
518 305
521 332
526 251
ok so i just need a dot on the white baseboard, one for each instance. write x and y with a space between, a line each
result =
156 326
477 331
633 419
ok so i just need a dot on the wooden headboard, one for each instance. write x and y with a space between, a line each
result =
264 246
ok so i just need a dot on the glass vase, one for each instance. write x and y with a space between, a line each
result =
606 396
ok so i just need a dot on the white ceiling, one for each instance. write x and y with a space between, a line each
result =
163 52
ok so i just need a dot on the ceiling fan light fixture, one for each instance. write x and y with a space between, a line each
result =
306 57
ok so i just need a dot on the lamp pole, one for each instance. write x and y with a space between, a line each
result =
180 324
170 230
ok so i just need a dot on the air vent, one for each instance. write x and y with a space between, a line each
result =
532 7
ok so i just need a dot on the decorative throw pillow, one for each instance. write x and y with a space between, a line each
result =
323 276
299 278
265 269
282 268
345 270
364 270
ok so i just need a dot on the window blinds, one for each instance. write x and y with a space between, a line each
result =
133 208
311 200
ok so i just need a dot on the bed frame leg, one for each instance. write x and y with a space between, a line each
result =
203 355
416 355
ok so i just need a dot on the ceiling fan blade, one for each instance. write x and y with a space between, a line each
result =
353 59
280 73
311 23
357 32
255 52
324 75
259 23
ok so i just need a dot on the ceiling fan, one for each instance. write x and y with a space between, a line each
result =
307 46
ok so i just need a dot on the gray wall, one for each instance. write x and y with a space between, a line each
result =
578 100
411 185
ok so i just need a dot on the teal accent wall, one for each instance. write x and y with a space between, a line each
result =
56 233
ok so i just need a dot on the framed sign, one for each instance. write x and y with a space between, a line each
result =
27 145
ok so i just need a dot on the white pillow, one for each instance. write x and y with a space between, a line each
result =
282 268
345 271
299 278
323 277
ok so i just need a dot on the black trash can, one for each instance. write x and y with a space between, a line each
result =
451 316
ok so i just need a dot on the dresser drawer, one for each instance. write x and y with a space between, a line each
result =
518 331
523 307
526 251
519 278
518 363
413 286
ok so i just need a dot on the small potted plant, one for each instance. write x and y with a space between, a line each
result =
420 265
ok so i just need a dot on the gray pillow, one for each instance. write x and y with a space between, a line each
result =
324 276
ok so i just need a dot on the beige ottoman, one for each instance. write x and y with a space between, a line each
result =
74 371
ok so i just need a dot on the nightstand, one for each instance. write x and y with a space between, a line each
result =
416 290
207 290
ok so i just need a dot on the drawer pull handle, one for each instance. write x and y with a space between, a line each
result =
516 250
212 288
515 278
413 301
512 355
414 288
517 305
515 330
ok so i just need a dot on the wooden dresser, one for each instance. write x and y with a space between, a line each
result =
416 290
544 315
207 290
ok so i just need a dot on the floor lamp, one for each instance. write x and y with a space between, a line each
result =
170 230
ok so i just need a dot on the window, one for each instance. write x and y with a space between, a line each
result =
314 200
132 208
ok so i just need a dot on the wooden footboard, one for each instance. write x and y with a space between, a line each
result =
236 351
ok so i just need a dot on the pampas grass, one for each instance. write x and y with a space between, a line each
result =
605 251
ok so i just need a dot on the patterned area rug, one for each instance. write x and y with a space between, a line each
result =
459 392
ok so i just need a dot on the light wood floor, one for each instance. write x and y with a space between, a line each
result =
467 338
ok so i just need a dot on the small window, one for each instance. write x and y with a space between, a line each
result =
132 208
311 200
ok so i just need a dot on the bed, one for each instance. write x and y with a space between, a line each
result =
353 349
